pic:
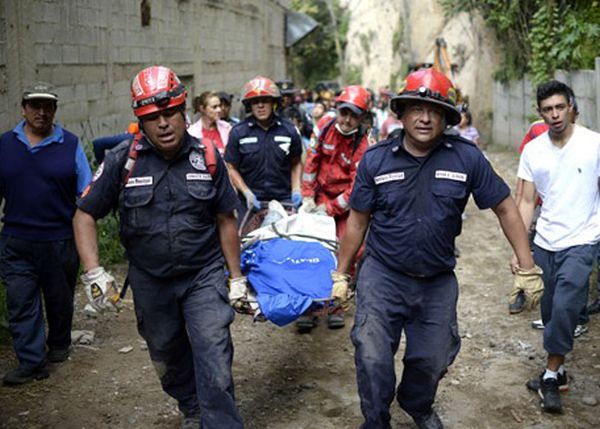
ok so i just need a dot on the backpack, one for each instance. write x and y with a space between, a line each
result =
210 158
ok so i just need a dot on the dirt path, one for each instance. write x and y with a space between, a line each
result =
286 380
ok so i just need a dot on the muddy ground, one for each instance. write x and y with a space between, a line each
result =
286 380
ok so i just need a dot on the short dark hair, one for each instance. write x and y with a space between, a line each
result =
554 87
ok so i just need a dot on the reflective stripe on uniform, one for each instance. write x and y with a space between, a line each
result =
309 177
342 201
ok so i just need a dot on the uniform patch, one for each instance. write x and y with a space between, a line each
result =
285 147
98 172
139 181
285 139
328 146
198 176
86 191
390 177
247 140
197 160
451 175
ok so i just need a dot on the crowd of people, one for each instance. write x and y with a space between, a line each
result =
395 172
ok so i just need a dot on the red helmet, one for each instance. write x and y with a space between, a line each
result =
259 87
154 89
431 86
355 98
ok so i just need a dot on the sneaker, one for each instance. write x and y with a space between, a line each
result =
563 383
580 330
335 321
430 421
304 324
191 422
594 307
519 304
550 395
20 375
537 324
58 355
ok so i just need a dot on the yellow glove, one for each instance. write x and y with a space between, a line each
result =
341 289
530 283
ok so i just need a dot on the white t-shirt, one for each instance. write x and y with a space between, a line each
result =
566 180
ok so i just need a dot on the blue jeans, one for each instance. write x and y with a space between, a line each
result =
31 270
425 308
185 321
566 280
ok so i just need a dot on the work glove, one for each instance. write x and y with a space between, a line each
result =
341 289
530 283
308 204
296 198
251 200
321 210
238 294
101 289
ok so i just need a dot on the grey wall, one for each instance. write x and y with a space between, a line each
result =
515 106
91 49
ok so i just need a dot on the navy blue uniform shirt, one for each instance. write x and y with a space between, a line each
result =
167 208
264 157
416 203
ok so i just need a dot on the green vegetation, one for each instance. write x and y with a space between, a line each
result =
539 36
315 58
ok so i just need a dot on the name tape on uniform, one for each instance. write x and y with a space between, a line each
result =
450 175
198 176
285 139
247 140
139 181
390 177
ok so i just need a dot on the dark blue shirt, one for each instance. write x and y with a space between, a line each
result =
264 157
40 183
417 203
167 208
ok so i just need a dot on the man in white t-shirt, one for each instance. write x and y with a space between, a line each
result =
562 167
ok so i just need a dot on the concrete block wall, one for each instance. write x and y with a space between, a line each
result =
515 104
90 51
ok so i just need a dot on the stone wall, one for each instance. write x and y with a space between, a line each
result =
515 104
91 49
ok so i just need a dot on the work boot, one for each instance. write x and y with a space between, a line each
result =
58 355
304 324
21 375
594 307
519 304
335 321
429 421
550 394
191 422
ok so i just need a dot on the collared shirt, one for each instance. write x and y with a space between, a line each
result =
82 167
264 157
416 203
167 208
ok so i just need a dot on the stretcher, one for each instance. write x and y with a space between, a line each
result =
288 261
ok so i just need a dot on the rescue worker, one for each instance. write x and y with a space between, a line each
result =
330 170
264 150
410 191
178 228
42 171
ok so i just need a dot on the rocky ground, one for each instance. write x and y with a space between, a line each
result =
285 380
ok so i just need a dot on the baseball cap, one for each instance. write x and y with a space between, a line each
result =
225 96
40 90
357 110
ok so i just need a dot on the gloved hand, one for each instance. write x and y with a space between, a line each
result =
530 283
238 293
321 210
251 200
101 289
296 198
341 289
308 204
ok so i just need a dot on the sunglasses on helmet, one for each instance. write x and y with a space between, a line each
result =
161 99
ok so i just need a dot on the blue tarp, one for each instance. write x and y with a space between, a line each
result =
287 275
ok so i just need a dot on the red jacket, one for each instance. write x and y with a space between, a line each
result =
331 166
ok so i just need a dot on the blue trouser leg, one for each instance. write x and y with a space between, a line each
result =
566 279
185 321
388 302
